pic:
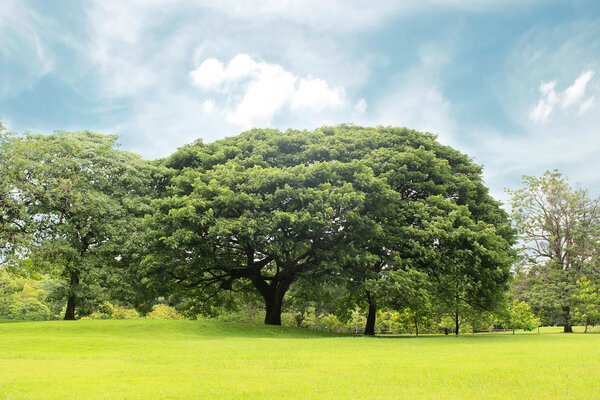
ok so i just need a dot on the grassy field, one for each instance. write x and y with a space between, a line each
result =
150 359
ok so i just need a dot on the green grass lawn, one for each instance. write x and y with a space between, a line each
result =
150 359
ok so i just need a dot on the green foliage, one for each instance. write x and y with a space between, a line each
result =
121 312
107 310
29 309
163 311
560 237
290 319
520 316
331 323
80 202
587 303
23 299
250 315
267 209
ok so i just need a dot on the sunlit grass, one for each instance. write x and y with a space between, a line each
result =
150 359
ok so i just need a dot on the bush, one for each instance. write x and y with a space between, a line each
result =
311 320
246 313
30 309
333 324
291 319
124 313
107 310
163 311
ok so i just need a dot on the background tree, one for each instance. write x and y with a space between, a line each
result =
586 303
13 213
84 199
521 316
560 232
467 262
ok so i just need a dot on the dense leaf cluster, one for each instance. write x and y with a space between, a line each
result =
345 205
371 217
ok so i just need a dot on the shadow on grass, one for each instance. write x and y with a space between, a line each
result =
12 321
162 329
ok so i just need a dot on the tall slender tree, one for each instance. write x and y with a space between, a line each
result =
560 236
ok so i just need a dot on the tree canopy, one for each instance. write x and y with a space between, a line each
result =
263 209
378 218
560 232
78 199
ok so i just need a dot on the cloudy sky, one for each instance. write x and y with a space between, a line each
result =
513 83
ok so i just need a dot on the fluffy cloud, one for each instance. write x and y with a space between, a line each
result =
572 96
256 91
576 91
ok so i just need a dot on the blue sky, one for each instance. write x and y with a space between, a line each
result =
513 83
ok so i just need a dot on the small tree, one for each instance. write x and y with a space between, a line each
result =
520 316
587 303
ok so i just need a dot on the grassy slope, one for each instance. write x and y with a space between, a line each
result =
148 359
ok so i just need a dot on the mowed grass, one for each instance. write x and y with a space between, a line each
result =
150 359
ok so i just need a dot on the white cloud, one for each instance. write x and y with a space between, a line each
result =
117 48
259 90
265 95
361 106
209 106
417 103
315 94
589 103
573 95
212 73
559 56
209 74
549 99
576 91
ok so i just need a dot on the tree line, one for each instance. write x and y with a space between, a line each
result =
341 218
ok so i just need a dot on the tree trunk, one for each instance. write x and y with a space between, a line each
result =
273 295
586 324
273 305
567 327
416 327
274 292
70 311
370 325
456 324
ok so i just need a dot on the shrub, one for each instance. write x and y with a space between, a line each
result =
124 313
107 310
333 324
163 311
30 309
310 319
291 319
247 313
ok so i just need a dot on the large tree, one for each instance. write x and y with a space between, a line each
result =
261 227
560 236
343 197
84 200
